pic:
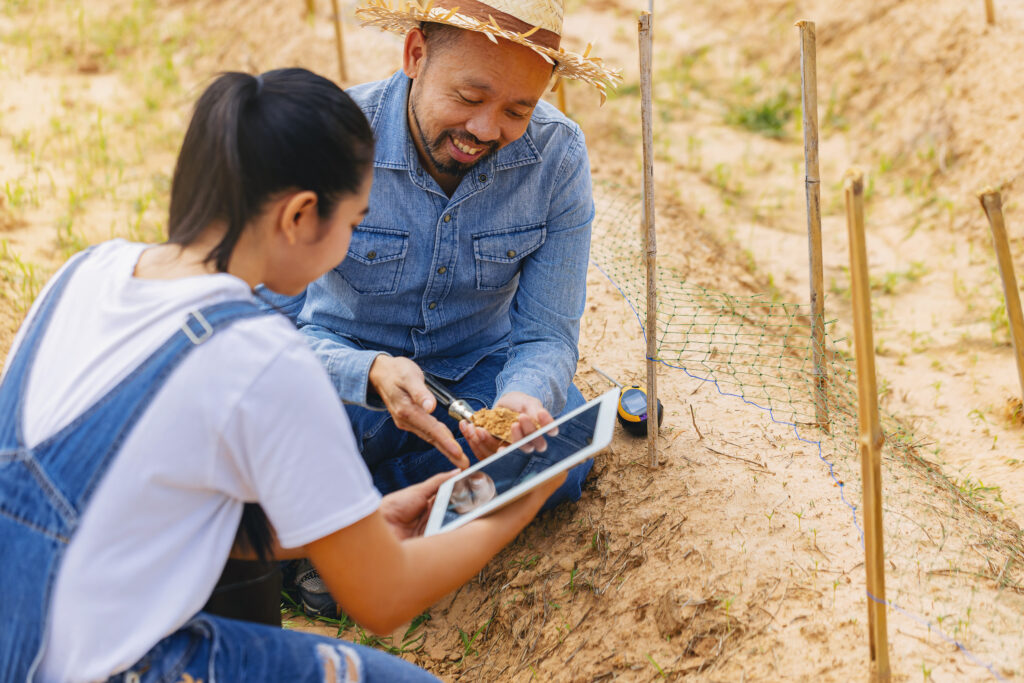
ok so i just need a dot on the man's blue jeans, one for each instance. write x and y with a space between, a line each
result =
397 458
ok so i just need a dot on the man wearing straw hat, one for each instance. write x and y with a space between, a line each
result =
471 264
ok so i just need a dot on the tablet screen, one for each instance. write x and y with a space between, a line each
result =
511 469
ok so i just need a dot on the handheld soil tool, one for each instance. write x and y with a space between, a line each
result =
457 407
632 410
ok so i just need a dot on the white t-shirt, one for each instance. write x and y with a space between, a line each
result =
248 416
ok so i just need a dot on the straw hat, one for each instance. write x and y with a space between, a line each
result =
536 24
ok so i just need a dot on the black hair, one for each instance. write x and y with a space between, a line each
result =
439 37
252 137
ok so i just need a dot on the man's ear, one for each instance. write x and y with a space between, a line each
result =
414 53
299 221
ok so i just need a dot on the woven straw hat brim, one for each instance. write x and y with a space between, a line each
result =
384 14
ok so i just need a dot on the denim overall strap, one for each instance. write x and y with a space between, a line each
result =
45 489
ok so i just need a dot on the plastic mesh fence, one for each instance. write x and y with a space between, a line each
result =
939 540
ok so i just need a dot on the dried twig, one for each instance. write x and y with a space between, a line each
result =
736 457
693 418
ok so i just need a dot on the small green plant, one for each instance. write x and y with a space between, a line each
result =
23 279
721 177
17 194
22 142
661 671
999 324
974 490
890 281
769 116
469 641
528 562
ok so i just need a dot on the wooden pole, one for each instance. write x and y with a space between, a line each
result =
560 90
812 187
339 40
870 441
990 12
650 242
992 203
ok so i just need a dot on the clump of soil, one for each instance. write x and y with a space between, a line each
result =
497 421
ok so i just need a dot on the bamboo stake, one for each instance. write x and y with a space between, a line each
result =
560 89
992 203
339 40
871 440
812 187
990 12
651 245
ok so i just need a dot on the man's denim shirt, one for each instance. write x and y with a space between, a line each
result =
446 282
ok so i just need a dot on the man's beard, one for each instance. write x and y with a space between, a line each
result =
434 148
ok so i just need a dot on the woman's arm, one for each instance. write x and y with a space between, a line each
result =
382 582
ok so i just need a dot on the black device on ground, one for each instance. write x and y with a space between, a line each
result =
632 411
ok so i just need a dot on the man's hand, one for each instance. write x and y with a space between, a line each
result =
532 416
399 382
407 510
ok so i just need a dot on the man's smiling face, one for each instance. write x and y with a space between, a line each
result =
469 97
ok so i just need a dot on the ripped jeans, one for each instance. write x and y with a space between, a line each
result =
211 649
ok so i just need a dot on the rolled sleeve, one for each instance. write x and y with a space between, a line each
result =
546 311
347 363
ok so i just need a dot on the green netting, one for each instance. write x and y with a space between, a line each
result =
939 540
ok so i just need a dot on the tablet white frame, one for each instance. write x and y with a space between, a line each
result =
602 436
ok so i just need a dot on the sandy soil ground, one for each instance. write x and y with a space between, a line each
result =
738 556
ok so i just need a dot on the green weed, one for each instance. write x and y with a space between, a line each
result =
23 279
661 672
890 282
769 116
469 641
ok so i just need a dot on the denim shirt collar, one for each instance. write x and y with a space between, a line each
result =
395 149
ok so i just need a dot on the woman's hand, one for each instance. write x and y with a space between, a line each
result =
406 511
399 383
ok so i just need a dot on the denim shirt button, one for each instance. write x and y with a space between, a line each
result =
511 253
371 255
447 218
442 270
483 177
433 305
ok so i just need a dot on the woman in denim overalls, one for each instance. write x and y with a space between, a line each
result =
273 173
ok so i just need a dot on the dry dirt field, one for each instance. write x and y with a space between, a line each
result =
738 557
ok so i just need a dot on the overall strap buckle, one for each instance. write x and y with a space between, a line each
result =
205 331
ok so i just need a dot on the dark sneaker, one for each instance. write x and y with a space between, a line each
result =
316 600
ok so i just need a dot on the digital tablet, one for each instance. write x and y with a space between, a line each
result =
511 472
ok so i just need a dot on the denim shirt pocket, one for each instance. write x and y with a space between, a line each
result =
374 261
499 253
